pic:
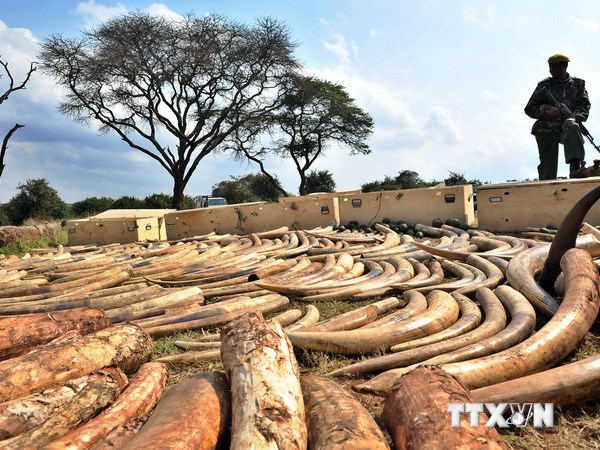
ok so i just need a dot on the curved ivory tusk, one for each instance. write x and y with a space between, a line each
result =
470 318
566 237
566 385
442 312
276 304
433 231
311 317
416 305
465 276
200 312
436 276
495 321
493 275
380 285
355 318
520 327
554 341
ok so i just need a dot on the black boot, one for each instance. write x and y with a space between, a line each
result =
577 169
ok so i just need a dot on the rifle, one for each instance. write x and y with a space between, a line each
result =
565 111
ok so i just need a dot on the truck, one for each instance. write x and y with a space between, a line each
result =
205 201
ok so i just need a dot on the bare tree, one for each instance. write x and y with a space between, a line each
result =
190 81
12 87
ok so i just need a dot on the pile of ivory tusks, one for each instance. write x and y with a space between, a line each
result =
466 301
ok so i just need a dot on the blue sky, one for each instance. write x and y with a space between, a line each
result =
445 82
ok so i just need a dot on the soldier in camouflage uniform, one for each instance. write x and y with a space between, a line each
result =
552 128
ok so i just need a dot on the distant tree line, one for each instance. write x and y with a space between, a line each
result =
409 179
37 201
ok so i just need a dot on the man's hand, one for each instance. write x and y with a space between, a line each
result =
553 111
568 123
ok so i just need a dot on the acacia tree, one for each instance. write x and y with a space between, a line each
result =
36 200
12 87
320 181
253 187
193 82
314 114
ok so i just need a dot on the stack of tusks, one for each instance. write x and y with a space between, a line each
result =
53 399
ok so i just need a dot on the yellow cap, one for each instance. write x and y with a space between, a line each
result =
558 58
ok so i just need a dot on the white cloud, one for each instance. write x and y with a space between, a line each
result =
95 13
137 156
158 9
485 17
355 50
338 48
440 125
587 24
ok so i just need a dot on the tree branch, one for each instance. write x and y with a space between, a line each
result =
5 145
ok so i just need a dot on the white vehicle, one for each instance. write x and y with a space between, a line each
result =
205 201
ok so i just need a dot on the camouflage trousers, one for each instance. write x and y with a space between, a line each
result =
547 143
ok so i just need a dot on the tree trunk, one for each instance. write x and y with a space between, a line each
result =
19 334
267 404
125 346
4 146
178 191
416 414
94 397
193 414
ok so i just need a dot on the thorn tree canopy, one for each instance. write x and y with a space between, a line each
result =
154 81
314 114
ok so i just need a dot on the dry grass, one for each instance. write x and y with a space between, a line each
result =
576 427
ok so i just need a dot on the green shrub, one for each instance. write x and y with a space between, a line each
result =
91 206
38 201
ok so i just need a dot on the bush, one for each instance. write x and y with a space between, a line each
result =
128 202
4 220
91 206
38 201
320 181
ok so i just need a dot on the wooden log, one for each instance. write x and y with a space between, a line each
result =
19 334
193 414
416 414
94 397
140 396
266 397
336 419
126 346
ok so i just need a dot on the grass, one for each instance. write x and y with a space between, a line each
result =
22 247
27 246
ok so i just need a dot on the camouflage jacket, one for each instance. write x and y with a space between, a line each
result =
570 91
